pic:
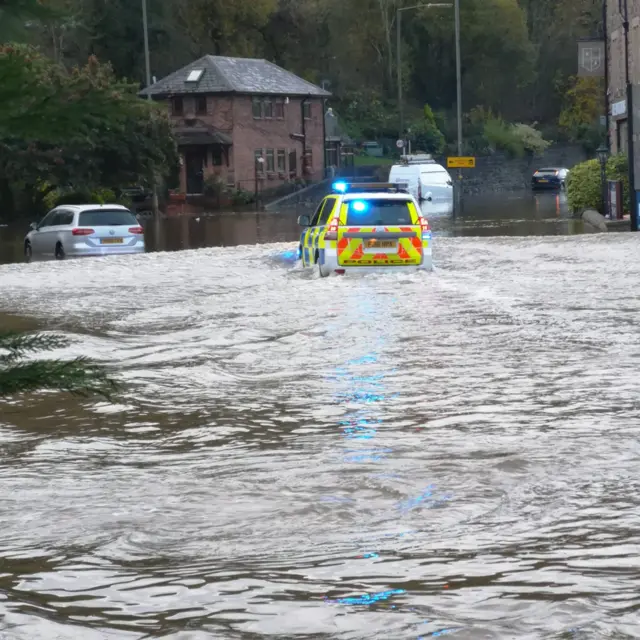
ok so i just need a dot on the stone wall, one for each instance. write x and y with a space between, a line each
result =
502 173
494 173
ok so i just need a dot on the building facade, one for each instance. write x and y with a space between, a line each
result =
615 44
246 123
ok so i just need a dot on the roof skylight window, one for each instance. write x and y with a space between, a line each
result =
195 75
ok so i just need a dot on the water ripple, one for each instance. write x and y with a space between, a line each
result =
388 456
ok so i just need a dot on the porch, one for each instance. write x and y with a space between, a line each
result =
204 152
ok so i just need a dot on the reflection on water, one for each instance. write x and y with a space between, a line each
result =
519 214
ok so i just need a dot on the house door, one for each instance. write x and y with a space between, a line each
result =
194 162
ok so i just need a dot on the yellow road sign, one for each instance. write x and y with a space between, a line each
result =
461 162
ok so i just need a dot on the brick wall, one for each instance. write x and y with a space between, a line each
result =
617 88
250 134
233 115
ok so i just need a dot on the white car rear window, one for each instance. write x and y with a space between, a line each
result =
106 218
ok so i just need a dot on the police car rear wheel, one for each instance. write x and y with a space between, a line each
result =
322 270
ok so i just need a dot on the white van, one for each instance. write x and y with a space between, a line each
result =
424 179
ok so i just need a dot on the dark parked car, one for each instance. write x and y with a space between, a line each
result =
550 178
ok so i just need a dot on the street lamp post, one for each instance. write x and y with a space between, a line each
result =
430 5
603 154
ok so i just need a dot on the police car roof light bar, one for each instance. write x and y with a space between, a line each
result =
359 187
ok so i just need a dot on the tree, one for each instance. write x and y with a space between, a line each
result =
579 118
15 13
222 27
78 376
80 127
425 132
498 59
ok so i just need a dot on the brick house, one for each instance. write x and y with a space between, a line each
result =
248 121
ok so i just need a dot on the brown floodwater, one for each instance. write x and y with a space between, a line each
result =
384 457
517 214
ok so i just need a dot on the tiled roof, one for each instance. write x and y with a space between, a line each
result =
235 75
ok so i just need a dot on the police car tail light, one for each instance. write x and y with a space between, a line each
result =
332 230
424 224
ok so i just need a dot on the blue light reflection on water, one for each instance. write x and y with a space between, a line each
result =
367 598
441 632
362 390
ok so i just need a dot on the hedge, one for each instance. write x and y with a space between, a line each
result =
584 189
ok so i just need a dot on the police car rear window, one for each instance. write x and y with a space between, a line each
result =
372 212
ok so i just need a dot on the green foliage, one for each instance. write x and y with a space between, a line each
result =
78 376
427 137
214 186
584 187
579 118
366 117
517 140
14 14
69 196
531 138
501 137
77 130
240 197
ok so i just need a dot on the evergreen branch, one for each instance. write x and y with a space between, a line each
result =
18 344
78 377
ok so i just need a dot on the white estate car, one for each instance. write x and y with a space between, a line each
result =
72 231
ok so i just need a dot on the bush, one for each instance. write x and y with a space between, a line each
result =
501 137
531 138
71 196
584 189
214 186
515 139
242 197
427 137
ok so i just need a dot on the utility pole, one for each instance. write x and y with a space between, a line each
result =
633 205
399 71
605 37
147 64
399 10
458 92
147 60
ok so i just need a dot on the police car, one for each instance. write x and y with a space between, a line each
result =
366 227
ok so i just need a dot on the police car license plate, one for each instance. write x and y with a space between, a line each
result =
543 180
111 241
381 244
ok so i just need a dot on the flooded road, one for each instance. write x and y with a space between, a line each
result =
391 456
512 214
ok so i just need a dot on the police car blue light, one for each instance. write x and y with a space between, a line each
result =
359 206
340 187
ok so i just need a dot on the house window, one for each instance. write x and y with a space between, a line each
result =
307 110
271 165
177 106
267 106
216 156
280 109
201 105
257 108
282 160
259 161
